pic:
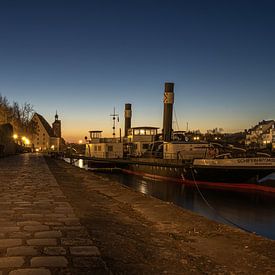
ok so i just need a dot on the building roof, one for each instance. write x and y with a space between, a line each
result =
263 123
46 125
145 127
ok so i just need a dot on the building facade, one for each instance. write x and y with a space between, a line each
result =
46 138
262 135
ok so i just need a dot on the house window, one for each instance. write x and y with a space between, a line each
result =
99 148
110 148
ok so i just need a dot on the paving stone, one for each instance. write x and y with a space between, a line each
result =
68 228
53 223
48 234
22 251
88 263
10 242
24 223
7 223
85 251
76 241
49 261
32 216
55 216
55 250
19 234
42 242
9 228
70 221
30 271
83 234
36 227
11 262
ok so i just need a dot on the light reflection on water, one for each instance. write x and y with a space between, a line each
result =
252 211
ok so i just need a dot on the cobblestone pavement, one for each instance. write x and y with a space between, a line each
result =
39 232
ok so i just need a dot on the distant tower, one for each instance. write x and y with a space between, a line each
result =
57 126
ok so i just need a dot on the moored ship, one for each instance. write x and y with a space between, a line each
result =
173 156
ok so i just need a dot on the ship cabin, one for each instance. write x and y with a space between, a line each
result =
139 139
99 147
185 150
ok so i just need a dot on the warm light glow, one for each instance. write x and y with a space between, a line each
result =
36 149
23 138
15 136
27 141
52 147
80 141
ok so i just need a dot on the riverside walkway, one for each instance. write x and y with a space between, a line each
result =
39 232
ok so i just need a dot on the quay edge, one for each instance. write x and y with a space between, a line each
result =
155 236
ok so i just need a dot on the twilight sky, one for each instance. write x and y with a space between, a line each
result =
83 58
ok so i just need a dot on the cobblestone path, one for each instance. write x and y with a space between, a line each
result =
39 232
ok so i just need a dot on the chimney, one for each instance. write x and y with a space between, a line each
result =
128 117
168 101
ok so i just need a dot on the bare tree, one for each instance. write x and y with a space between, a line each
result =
19 115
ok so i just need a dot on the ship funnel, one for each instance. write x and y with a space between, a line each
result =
168 101
128 117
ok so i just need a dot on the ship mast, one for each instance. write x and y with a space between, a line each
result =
114 116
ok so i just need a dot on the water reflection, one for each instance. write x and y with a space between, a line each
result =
252 211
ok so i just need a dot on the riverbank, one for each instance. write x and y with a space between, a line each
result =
138 234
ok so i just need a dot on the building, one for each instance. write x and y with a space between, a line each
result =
46 137
262 135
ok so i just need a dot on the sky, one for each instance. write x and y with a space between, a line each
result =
83 58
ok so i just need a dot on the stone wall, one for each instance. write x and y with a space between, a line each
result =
7 145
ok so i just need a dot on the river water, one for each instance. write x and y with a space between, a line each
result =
254 212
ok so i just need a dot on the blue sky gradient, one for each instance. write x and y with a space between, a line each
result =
82 58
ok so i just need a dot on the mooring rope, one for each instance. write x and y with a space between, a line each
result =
213 209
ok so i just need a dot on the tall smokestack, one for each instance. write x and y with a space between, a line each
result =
128 117
168 101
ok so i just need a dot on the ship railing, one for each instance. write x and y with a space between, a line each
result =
105 155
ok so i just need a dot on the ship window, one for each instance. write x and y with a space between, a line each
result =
148 132
136 132
145 146
142 132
